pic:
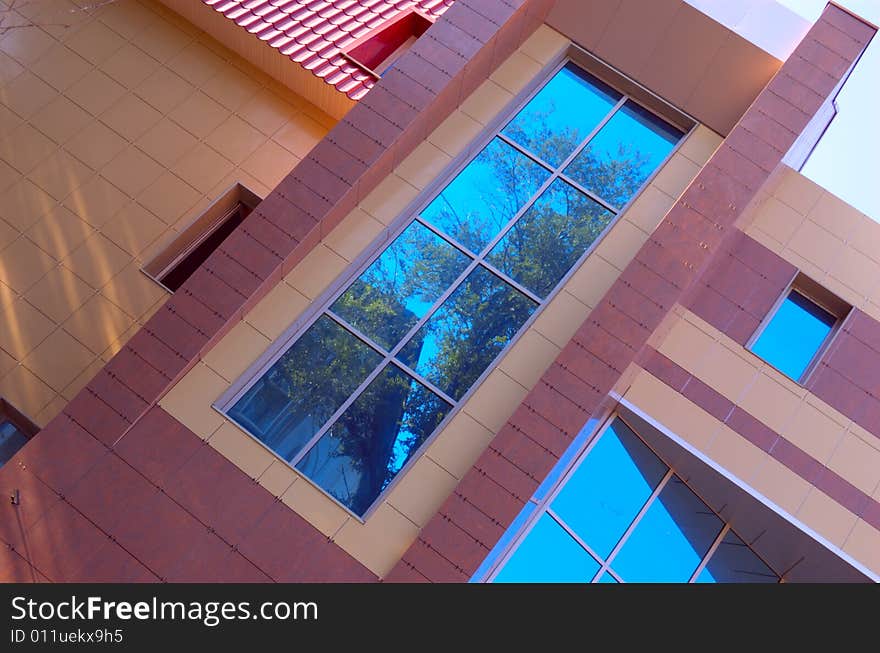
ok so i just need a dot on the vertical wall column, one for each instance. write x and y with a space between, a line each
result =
576 386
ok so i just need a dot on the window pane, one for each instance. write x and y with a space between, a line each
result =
734 562
11 440
550 237
794 335
299 393
467 332
670 540
606 492
401 285
548 555
486 195
375 436
562 114
623 154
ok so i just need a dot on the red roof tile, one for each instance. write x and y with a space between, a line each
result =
312 33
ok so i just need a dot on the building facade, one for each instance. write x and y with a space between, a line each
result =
526 290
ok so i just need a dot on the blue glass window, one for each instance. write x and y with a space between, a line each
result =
609 488
562 114
467 332
549 555
391 295
624 153
302 390
670 540
390 354
374 438
794 335
486 195
622 513
563 221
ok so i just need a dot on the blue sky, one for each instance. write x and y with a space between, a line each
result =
845 161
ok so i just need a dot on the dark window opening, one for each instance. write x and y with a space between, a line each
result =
15 431
187 252
385 46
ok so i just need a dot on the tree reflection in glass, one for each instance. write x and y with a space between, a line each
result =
550 237
401 285
486 195
374 438
562 114
628 148
299 393
467 332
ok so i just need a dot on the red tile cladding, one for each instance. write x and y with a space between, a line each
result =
51 548
35 499
454 544
691 237
315 34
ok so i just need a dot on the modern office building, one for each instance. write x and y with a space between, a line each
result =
472 291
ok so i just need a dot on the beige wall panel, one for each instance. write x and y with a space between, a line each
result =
116 102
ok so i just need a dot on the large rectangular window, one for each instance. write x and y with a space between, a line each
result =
368 380
622 515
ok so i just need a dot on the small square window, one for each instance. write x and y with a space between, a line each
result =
183 256
799 328
15 431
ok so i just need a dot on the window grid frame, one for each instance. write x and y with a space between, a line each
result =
544 507
321 306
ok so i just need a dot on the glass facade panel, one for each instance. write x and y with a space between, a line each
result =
562 114
549 555
467 332
374 438
400 286
734 562
607 490
670 540
624 153
794 335
436 307
625 509
486 195
302 390
550 237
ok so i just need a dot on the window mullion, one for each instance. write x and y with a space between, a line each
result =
553 177
357 332
516 284
709 553
338 413
522 149
575 152
427 224
598 200
586 547
635 522
425 382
